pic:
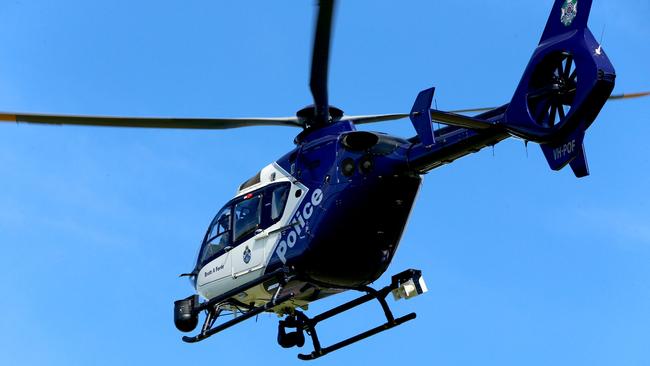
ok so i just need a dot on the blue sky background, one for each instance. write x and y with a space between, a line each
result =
524 265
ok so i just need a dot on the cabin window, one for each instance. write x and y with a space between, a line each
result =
240 218
219 234
247 216
278 201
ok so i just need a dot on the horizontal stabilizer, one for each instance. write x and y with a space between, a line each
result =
453 119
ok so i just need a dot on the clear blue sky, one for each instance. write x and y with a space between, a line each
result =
525 266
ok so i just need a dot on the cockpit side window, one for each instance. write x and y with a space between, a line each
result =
219 235
278 201
247 216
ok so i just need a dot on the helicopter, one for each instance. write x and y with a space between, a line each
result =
276 246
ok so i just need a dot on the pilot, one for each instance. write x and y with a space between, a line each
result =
224 227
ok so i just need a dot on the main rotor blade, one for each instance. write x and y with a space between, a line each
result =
629 96
320 60
358 120
145 122
612 97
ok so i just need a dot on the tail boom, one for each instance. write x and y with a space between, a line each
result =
567 82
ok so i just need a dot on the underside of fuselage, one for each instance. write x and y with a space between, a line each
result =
355 240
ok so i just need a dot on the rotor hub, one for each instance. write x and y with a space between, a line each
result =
307 116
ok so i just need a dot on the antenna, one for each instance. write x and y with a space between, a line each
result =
526 146
599 50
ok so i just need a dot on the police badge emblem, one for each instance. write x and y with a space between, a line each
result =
569 12
247 255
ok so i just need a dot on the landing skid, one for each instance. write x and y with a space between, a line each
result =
403 285
301 322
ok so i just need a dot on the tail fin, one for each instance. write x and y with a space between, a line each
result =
566 16
563 88
569 150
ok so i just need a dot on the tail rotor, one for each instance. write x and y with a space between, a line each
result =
567 82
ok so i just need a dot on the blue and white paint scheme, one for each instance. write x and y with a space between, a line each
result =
346 198
347 194
328 216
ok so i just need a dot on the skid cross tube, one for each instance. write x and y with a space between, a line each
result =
309 325
213 309
247 315
281 274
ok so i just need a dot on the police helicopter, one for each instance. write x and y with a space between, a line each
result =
275 247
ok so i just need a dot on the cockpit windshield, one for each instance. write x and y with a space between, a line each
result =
219 234
241 218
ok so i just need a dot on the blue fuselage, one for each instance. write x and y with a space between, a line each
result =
369 183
